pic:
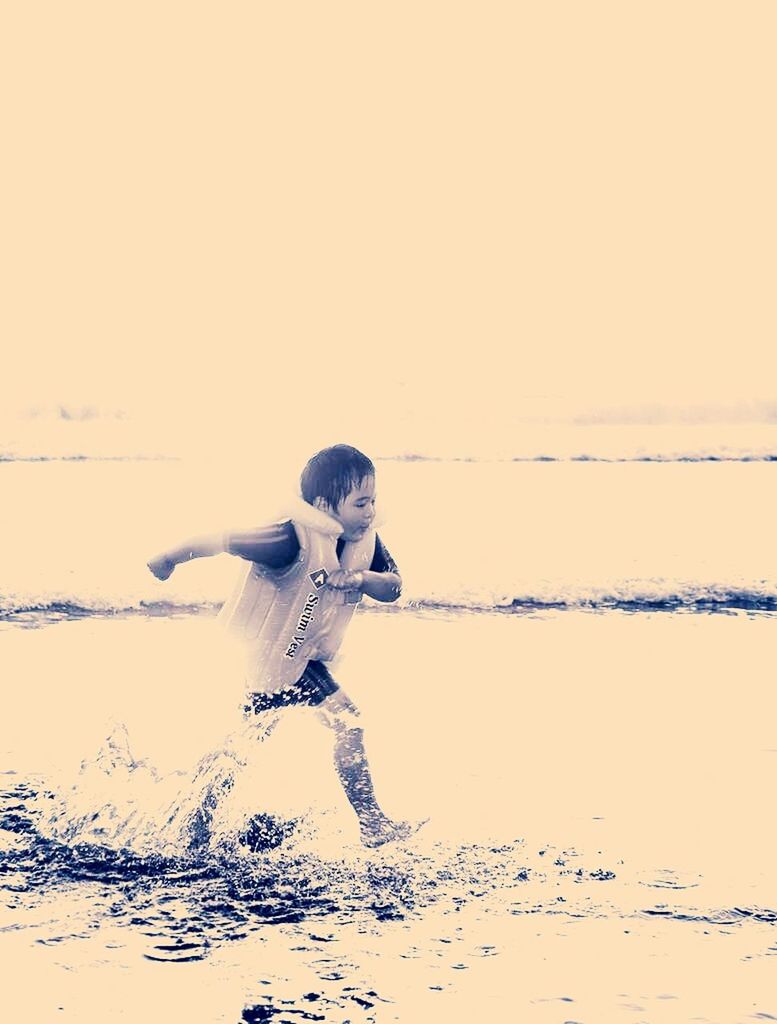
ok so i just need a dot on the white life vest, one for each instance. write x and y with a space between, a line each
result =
288 617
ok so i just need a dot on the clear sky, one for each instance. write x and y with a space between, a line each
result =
259 215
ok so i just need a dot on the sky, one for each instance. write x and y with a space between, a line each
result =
313 219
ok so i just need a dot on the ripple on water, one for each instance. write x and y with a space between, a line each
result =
270 874
266 875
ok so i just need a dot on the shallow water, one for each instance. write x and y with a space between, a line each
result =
598 845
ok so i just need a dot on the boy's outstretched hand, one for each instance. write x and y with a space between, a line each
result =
161 566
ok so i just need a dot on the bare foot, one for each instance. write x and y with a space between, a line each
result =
392 831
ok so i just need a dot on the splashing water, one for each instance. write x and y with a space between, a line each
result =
122 804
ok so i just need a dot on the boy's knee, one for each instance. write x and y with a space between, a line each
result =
339 713
353 736
340 722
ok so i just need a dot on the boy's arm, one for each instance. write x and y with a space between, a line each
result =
274 546
162 565
381 586
381 581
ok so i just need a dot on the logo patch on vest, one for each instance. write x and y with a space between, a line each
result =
318 578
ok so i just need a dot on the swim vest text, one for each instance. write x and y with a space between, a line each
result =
306 617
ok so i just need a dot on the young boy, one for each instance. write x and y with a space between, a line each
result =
303 582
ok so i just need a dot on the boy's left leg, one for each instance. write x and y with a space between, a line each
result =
341 715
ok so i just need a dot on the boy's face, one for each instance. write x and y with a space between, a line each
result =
356 511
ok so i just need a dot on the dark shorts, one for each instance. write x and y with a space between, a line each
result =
312 688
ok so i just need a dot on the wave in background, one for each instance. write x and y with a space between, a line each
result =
476 536
634 596
744 431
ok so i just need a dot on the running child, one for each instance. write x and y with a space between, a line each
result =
304 579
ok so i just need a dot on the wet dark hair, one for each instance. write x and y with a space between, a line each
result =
333 473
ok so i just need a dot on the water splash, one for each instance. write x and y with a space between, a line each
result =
121 803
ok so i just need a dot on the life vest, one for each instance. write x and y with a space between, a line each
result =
288 617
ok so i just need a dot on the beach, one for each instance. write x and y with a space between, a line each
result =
522 257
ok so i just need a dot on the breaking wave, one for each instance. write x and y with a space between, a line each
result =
79 434
629 597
